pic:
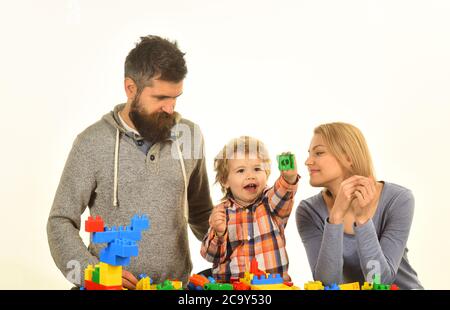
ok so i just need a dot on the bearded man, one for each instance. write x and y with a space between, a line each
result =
141 158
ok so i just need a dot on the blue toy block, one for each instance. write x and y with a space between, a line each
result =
211 280
193 287
270 280
123 248
105 236
118 253
332 287
113 260
121 241
142 276
140 223
130 234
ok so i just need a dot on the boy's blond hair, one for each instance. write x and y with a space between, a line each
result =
347 140
238 148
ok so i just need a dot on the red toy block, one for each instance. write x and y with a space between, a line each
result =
240 286
394 287
254 268
92 286
94 224
288 284
234 279
198 280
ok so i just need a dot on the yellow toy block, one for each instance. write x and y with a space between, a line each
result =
314 286
178 285
350 286
367 286
277 287
143 284
110 275
248 277
88 272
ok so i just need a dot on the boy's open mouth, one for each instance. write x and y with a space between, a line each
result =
251 187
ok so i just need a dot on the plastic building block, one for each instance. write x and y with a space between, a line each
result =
377 279
143 284
381 287
270 279
277 287
192 287
211 280
178 285
96 275
89 285
107 257
106 236
168 285
254 268
332 287
110 275
367 286
313 286
394 287
232 279
121 246
140 223
286 162
350 286
240 286
88 272
94 224
198 280
218 287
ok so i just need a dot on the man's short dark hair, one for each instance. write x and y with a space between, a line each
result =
154 57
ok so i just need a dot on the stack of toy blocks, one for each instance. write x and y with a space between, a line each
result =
260 280
376 285
121 246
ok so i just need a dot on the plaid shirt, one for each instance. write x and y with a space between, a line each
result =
254 231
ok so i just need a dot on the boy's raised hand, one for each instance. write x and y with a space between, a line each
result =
288 167
218 220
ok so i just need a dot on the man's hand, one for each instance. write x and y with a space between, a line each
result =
129 281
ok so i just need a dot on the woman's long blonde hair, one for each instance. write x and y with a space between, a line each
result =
345 140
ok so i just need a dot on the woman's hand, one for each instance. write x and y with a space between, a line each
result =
365 194
218 220
343 199
290 175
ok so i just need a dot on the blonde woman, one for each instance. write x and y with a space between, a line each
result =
356 227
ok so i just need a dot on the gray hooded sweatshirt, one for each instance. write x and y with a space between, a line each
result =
108 172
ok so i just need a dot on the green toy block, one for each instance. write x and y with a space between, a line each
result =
377 279
165 286
285 162
381 287
96 275
218 287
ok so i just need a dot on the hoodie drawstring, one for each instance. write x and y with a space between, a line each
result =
116 167
183 170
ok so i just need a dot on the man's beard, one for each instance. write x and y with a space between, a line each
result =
154 127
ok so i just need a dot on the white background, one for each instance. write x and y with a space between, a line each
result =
271 69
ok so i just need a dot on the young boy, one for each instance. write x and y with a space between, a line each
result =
250 220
